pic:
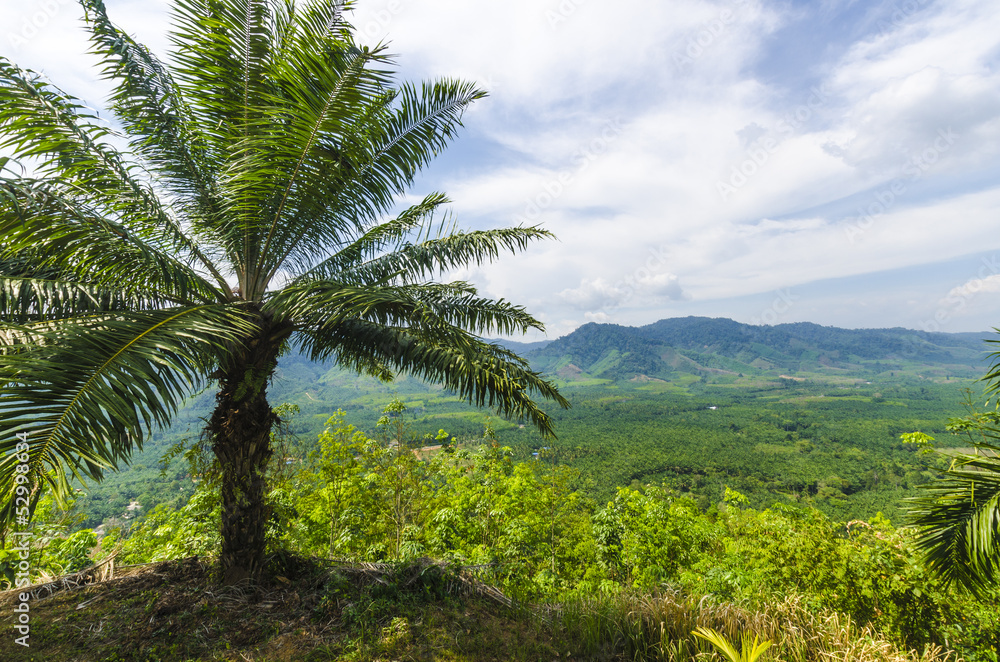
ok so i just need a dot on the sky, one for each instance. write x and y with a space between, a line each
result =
829 161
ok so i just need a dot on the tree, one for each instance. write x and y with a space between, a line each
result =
332 486
251 212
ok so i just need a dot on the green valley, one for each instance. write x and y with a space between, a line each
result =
691 404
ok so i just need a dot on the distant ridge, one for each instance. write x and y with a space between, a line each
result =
522 347
699 345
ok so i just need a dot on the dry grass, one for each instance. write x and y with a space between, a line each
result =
660 628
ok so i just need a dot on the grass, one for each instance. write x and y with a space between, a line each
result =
315 612
661 628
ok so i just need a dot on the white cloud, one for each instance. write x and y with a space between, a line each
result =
48 36
665 131
972 287
599 317
597 293
932 71
549 64
643 283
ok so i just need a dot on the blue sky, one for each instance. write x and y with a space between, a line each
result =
831 161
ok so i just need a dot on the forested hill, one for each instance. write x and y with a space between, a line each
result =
699 345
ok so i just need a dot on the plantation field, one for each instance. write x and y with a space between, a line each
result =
832 442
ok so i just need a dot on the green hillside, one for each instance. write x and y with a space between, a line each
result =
672 348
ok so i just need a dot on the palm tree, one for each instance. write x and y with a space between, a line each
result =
957 516
251 211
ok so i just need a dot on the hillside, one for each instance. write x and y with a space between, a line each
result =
175 611
674 348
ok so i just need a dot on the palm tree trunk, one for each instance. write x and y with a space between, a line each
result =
241 433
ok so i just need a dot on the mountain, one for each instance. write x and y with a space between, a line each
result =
522 347
702 346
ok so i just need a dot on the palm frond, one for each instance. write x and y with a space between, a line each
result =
751 649
87 391
376 241
429 330
221 54
64 141
436 256
25 299
380 255
360 172
483 374
58 227
155 115
992 376
429 306
310 118
423 123
957 518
